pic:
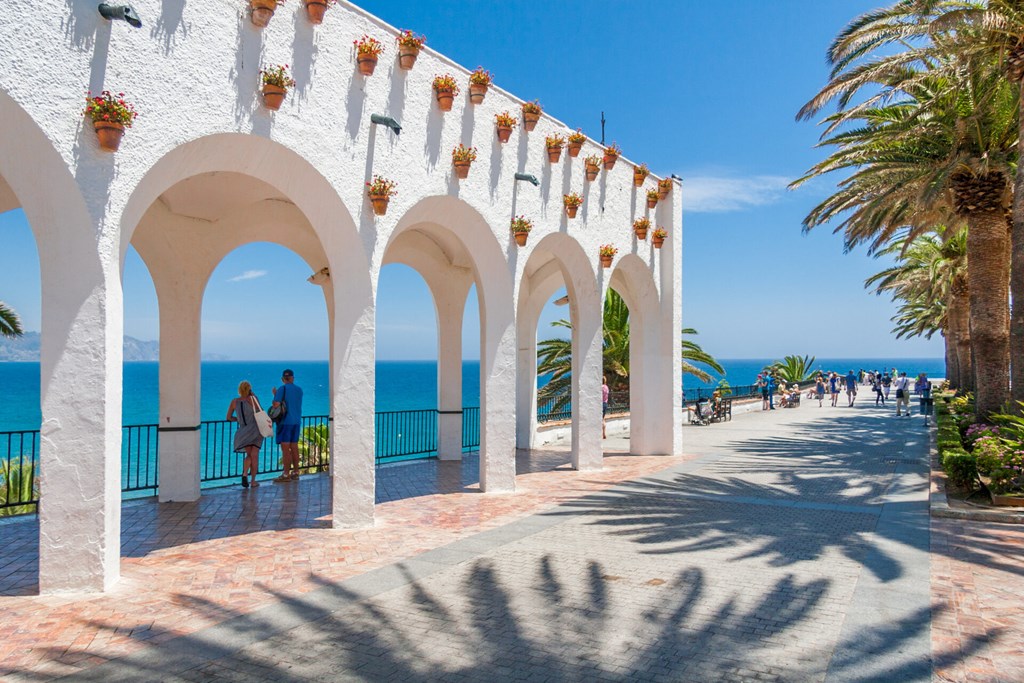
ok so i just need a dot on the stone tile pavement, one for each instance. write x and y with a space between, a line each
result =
790 546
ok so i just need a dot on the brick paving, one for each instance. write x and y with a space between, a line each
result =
791 546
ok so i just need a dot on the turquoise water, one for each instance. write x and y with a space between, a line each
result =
401 385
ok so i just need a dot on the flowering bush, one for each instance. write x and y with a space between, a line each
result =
554 141
446 83
612 150
381 187
659 233
506 119
962 405
607 250
977 431
531 107
463 153
522 224
110 108
652 194
408 39
572 199
641 224
577 138
592 160
277 75
480 77
368 46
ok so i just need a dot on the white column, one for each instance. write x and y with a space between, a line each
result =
180 300
80 439
450 294
526 372
497 391
669 354
587 366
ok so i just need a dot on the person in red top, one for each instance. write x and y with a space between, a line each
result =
605 392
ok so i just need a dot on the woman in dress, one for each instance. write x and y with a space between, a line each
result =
819 389
248 439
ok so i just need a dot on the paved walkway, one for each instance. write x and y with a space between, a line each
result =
790 546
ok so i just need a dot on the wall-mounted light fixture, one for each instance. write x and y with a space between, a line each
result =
528 178
120 13
561 301
320 277
381 120
676 177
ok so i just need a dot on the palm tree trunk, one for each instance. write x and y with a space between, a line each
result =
1017 272
952 369
958 313
988 266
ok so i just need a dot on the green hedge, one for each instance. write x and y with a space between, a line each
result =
960 466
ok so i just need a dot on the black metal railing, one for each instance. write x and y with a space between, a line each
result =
549 410
470 428
140 452
219 462
404 434
19 466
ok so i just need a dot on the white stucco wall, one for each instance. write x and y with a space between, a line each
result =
192 72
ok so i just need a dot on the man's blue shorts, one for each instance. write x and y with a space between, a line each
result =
287 433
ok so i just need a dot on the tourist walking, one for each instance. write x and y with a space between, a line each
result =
879 394
248 439
605 395
288 399
851 387
886 385
833 387
762 385
769 381
902 385
924 390
819 389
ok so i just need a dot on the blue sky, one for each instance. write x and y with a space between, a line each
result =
703 90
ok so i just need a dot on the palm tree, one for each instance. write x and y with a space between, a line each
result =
554 356
793 368
10 325
947 145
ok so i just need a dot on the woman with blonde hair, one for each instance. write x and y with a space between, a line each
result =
248 439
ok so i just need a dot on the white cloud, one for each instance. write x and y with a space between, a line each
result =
248 275
720 194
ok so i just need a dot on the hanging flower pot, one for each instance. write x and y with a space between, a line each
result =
640 227
554 144
380 191
315 10
368 51
606 252
409 45
592 166
611 155
521 227
652 199
576 141
276 82
572 202
658 237
261 11
664 187
110 115
640 174
445 88
504 123
531 115
479 81
462 158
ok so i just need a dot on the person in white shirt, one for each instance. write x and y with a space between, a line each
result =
902 386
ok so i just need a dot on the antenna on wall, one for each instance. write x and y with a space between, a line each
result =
602 128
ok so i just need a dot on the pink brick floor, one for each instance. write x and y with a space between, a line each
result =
185 567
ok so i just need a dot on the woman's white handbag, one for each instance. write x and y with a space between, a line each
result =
263 421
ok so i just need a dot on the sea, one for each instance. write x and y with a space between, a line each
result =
401 385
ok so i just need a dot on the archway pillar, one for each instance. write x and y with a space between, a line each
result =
450 294
587 367
526 371
497 412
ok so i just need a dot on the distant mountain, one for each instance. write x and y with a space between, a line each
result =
26 348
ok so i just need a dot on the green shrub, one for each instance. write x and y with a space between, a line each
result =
961 468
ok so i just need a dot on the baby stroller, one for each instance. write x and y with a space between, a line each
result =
702 412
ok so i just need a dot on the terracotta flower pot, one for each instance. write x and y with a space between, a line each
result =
530 120
261 11
639 178
380 204
574 149
367 63
606 261
109 134
521 238
445 98
664 188
592 171
651 203
315 10
554 154
461 169
609 161
504 133
641 233
273 96
407 57
657 242
477 93
571 211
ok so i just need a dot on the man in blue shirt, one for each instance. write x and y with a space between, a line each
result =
851 387
289 395
770 385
